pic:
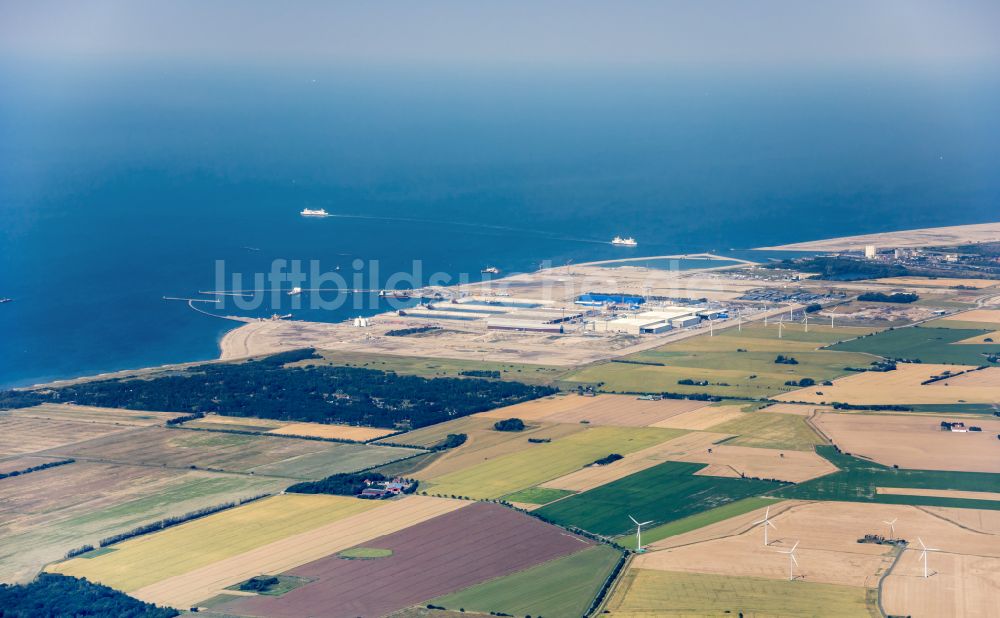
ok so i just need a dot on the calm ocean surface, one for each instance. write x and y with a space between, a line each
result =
120 187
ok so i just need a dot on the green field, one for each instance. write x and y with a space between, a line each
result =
365 553
561 588
644 592
928 345
716 360
698 520
542 462
436 367
538 495
663 493
858 479
764 430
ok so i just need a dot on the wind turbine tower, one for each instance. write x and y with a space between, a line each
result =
792 562
892 528
923 554
638 532
766 522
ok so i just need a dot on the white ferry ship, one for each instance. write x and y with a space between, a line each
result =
307 212
295 291
490 270
624 242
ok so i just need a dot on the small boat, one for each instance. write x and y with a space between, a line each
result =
307 212
295 291
5 300
490 270
624 242
400 294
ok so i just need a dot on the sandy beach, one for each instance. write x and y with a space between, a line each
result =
926 237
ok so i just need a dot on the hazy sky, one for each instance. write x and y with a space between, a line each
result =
480 33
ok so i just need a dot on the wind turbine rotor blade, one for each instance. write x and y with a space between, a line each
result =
922 543
792 556
646 522
768 522
633 520
793 547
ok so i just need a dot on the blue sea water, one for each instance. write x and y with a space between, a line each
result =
122 185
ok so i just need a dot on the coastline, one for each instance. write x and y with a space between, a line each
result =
924 237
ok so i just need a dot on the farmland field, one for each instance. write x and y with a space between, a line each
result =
671 450
561 588
537 495
915 441
314 430
437 557
275 456
89 414
665 493
542 462
727 371
616 410
858 481
768 430
696 521
145 560
291 549
21 434
902 386
646 593
44 514
483 442
929 345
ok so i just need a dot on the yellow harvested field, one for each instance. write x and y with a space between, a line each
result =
90 414
672 450
979 520
901 386
959 585
989 377
196 585
145 560
940 493
484 443
615 410
546 461
702 418
766 463
915 441
994 336
336 432
944 282
977 315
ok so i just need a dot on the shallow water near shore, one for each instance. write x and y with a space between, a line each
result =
119 188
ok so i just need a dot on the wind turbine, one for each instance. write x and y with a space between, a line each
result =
638 532
892 528
767 522
805 319
923 554
711 328
791 560
780 324
739 320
